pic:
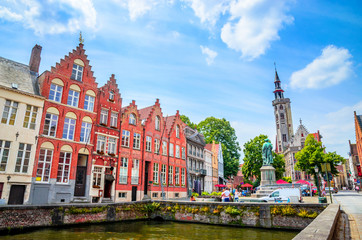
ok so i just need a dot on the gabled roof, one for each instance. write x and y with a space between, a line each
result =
18 76
208 146
145 112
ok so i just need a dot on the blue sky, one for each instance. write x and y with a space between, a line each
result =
209 57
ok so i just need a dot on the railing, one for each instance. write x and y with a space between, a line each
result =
203 171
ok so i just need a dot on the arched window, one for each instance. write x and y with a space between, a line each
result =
77 71
132 119
281 107
282 116
111 95
177 131
276 117
157 123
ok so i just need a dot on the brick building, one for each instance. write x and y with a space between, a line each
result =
106 141
63 158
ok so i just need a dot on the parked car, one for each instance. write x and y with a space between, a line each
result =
285 195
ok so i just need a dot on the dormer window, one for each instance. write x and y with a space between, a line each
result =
111 96
132 119
177 131
77 72
157 123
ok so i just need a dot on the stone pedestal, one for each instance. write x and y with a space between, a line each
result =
267 175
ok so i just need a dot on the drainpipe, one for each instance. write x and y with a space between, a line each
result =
119 156
142 161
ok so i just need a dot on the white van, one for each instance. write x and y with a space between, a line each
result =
285 195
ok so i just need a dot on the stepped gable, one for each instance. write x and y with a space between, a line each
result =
111 84
131 108
171 121
66 64
146 113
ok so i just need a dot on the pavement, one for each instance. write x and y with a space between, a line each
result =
351 203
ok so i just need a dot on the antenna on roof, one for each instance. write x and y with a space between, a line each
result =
81 40
275 66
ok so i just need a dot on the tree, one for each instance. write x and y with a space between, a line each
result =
253 159
221 131
333 159
188 122
287 179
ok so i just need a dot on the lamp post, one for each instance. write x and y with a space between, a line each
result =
316 175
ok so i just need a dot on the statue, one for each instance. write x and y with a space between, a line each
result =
267 153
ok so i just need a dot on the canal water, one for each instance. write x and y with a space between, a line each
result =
152 230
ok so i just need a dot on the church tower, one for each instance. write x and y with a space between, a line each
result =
283 117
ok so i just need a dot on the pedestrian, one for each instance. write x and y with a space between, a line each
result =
223 195
357 189
236 195
324 192
226 195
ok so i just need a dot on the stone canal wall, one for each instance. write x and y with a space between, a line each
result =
264 215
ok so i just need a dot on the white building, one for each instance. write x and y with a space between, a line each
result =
208 166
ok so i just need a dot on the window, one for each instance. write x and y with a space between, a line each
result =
183 153
136 140
111 96
69 126
177 131
177 151
132 119
44 164
163 174
284 137
50 125
157 123
194 150
276 117
122 195
104 116
135 171
164 148
282 116
97 176
111 146
9 114
55 93
177 176
89 103
155 173
77 72
157 146
85 132
171 149
148 144
123 171
281 107
101 144
155 195
73 98
201 153
22 160
30 117
198 152
4 154
190 149
114 117
64 167
125 138
183 176
277 125
170 175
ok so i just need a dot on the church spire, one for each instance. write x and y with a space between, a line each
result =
278 92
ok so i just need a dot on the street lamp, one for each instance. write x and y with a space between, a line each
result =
316 175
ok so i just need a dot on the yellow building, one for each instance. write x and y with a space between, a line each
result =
21 109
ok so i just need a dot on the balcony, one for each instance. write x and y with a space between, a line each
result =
203 172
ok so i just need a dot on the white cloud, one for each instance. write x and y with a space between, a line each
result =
208 10
253 25
330 68
210 54
138 8
51 17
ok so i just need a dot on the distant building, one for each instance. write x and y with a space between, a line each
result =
215 164
358 129
21 111
354 164
208 165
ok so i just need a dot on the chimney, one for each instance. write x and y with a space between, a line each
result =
35 58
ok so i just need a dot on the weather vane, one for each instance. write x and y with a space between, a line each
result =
81 40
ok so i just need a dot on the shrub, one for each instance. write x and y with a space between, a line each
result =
204 194
195 194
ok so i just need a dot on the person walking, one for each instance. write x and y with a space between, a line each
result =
236 195
226 195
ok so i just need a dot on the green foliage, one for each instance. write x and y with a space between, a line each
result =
253 159
205 194
287 179
195 194
216 193
307 214
233 211
188 122
152 207
75 210
333 159
221 131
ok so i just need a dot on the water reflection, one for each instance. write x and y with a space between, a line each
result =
152 230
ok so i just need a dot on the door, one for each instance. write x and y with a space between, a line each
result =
81 177
16 194
146 177
134 193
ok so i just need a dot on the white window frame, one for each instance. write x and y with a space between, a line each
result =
132 119
85 132
112 145
148 143
170 175
177 176
135 171
111 95
183 153
171 150
155 172
23 158
136 141
30 117
46 165
73 98
53 121
69 127
104 116
183 177
164 148
157 123
177 131
10 112
157 145
77 72
101 143
64 168
4 154
89 103
177 151
123 171
55 93
97 176
114 118
125 138
163 174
